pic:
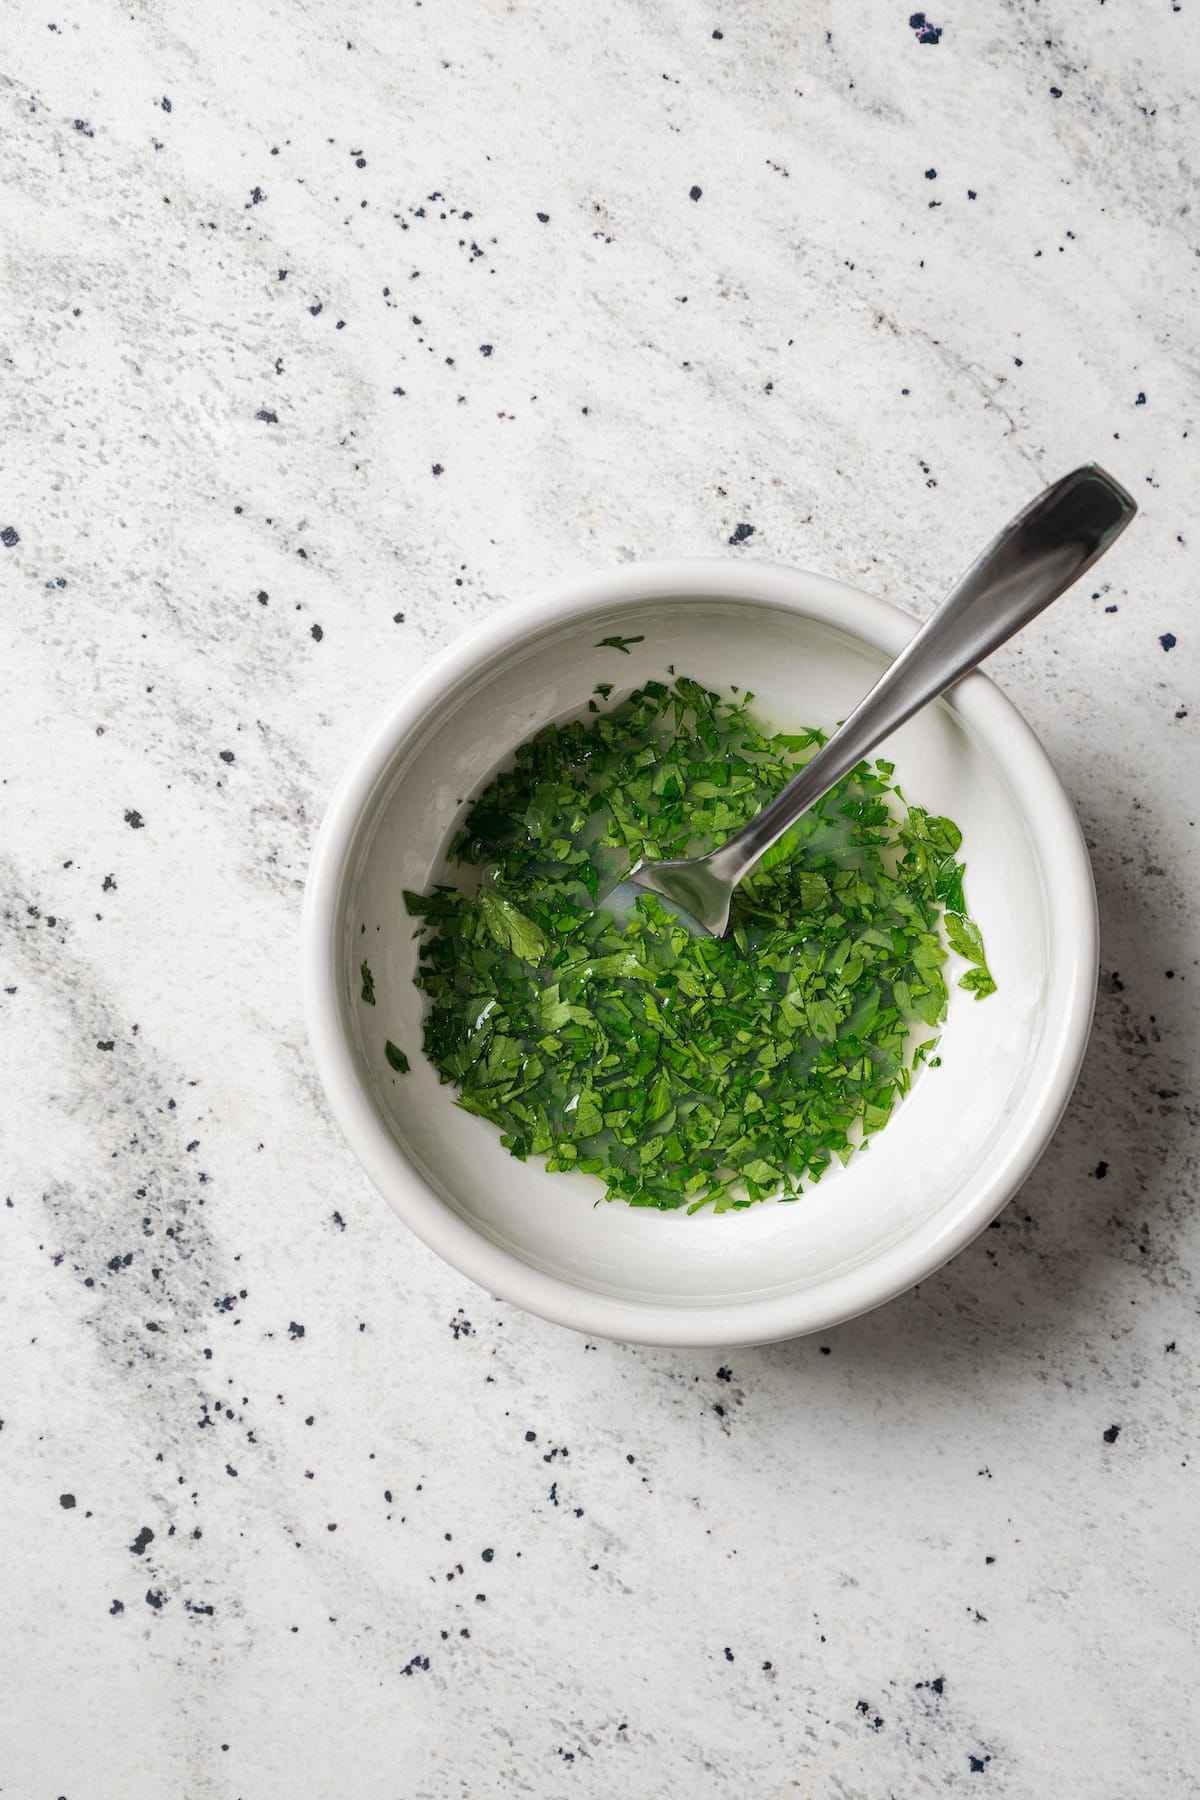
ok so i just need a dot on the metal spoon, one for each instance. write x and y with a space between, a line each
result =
1034 559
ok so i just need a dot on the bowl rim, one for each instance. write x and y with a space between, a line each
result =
1071 904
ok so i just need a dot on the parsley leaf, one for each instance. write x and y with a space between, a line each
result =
368 983
620 643
966 937
510 928
396 1058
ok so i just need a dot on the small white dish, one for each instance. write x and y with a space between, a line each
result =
955 1150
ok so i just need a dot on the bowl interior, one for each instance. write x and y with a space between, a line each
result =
948 1138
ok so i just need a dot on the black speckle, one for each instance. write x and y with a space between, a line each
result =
360 162
971 194
531 1437
316 308
262 596
267 416
437 469
156 1598
1100 1171
694 193
1112 1434
718 35
105 1044
281 274
724 1374
741 533
295 1331
256 196
145 1536
317 633
66 1501
931 174
1140 401
977 1764
10 536
1168 640
165 104
134 819
82 126
543 218
487 1555
1056 93
485 349
926 33
728 1654
117 1607
226 756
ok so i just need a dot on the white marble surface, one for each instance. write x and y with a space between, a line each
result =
951 1548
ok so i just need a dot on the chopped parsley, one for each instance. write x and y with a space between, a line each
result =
620 643
396 1058
965 937
685 1070
368 983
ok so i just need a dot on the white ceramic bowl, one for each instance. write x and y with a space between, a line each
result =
955 1150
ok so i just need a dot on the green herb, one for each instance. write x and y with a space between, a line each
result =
396 1058
368 983
687 1070
965 937
619 643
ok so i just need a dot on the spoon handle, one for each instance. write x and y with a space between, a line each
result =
1033 560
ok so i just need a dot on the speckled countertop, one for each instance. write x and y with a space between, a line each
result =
327 329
